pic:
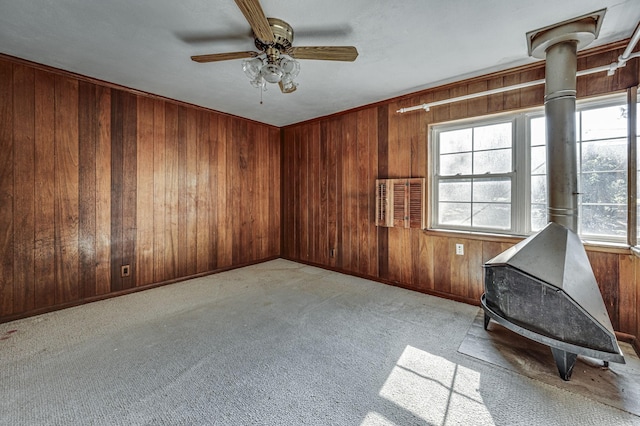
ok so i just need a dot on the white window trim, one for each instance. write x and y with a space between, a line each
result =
521 187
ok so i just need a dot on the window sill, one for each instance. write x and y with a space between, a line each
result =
594 246
470 235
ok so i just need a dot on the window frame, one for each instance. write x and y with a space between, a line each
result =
436 177
521 161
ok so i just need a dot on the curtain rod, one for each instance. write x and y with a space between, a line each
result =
610 69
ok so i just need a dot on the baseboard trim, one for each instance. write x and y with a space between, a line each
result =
436 293
92 299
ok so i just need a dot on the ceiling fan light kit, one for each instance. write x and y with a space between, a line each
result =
277 62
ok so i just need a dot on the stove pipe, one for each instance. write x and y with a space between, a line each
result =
544 288
560 108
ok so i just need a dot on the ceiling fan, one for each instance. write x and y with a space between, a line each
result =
276 62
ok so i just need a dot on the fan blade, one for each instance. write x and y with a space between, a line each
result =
325 53
252 11
214 57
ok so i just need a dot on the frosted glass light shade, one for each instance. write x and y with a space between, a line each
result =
272 73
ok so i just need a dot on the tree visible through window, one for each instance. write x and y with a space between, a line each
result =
601 135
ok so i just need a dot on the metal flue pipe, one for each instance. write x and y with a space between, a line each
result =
560 109
559 45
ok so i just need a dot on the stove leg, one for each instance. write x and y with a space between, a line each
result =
565 362
487 318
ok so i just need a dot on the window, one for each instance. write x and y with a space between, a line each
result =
475 175
490 173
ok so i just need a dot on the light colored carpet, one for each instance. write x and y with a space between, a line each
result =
277 343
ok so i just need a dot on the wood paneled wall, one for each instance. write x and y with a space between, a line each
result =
93 177
329 184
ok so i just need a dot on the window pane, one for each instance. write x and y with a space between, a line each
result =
604 155
493 216
493 136
495 161
492 191
604 187
538 216
455 164
458 214
539 189
538 160
602 147
601 123
604 220
455 141
538 131
455 190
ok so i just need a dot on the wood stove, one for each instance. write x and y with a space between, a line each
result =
544 288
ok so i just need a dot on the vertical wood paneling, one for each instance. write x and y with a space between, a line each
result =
606 270
182 194
94 177
275 194
323 237
495 102
479 106
203 188
459 110
103 192
458 268
214 203
338 142
87 132
251 239
628 301
225 214
159 191
363 191
171 193
372 142
352 192
191 191
6 188
288 199
296 207
130 191
476 272
511 98
66 190
44 191
144 192
23 206
534 95
383 173
425 263
242 216
315 249
302 171
117 188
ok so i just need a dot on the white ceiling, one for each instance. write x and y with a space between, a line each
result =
404 46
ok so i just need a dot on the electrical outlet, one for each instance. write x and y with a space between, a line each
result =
125 270
460 249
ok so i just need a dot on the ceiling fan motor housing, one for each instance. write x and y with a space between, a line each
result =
283 34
